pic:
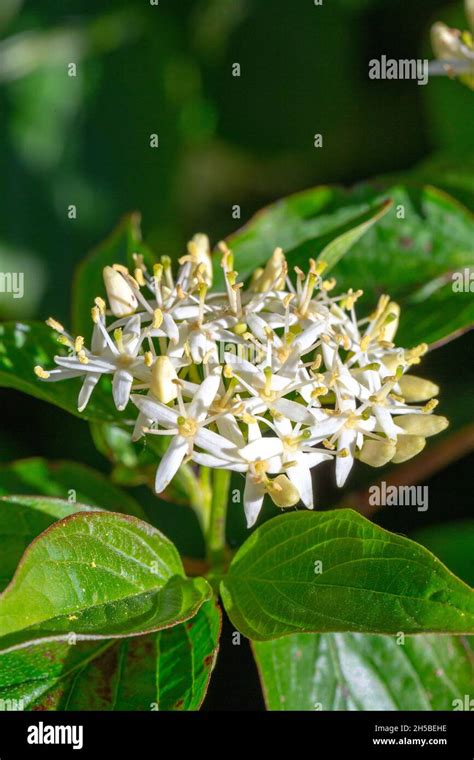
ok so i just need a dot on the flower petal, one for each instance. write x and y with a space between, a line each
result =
344 464
294 411
216 444
300 476
121 387
155 410
228 427
171 462
199 406
90 381
253 500
262 448
209 460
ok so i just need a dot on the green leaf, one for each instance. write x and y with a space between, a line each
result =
102 575
25 345
369 580
337 248
22 518
187 655
66 480
453 544
118 248
409 253
167 670
353 671
457 310
451 172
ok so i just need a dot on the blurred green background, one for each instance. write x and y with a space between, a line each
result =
141 69
223 140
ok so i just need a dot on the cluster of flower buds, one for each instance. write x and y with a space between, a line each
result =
268 379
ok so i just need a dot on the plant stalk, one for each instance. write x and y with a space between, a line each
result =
215 537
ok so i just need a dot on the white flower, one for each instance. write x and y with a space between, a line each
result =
342 431
268 390
118 357
259 459
297 454
186 424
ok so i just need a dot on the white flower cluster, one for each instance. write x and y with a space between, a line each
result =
268 380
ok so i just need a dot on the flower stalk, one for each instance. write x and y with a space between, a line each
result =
216 534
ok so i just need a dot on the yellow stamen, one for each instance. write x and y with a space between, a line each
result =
100 303
40 372
138 274
157 319
65 341
55 325
319 391
432 404
118 337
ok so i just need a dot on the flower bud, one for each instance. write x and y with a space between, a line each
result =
376 453
388 321
256 275
162 375
273 276
282 492
120 295
421 424
417 388
200 252
408 446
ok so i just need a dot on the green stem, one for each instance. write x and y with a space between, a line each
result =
198 491
215 537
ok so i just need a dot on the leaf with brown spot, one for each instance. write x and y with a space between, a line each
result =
168 670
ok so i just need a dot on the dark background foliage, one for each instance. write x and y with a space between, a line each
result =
223 140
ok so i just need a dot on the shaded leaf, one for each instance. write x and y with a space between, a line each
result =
64 479
167 670
353 671
453 543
